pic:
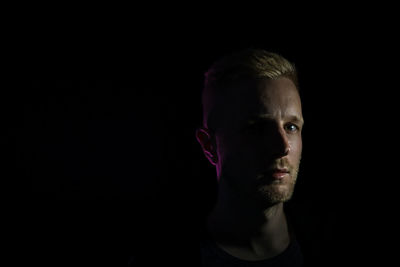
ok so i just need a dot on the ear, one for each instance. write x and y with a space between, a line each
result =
205 139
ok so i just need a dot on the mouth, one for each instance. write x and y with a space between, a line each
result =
277 173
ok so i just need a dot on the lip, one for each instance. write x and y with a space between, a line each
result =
279 174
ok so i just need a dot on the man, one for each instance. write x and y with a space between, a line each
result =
252 124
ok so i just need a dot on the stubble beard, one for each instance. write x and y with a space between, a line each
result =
278 191
262 195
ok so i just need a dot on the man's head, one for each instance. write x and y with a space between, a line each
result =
252 122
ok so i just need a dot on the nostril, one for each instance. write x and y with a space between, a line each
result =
280 149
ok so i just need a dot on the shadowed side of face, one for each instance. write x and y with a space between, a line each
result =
258 140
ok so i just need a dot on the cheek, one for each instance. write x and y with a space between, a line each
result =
296 148
233 152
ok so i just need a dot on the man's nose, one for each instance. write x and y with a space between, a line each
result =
280 146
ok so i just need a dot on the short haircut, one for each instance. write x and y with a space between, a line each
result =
241 66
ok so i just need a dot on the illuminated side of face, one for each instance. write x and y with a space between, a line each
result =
258 143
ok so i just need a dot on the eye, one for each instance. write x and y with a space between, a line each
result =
290 127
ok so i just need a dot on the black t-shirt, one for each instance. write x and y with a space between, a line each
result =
213 256
208 254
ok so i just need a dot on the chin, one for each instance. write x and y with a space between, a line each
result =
275 194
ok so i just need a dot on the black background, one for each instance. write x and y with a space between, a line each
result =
100 131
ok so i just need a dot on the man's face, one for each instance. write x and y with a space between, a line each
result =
259 140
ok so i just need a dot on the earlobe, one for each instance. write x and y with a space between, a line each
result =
212 157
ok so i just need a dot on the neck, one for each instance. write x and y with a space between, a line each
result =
247 231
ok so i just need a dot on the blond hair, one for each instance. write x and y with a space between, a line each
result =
241 66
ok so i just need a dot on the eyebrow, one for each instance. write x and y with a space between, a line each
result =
268 117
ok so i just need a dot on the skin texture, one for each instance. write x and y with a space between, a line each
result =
260 124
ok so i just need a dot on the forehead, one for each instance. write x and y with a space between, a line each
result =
264 97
